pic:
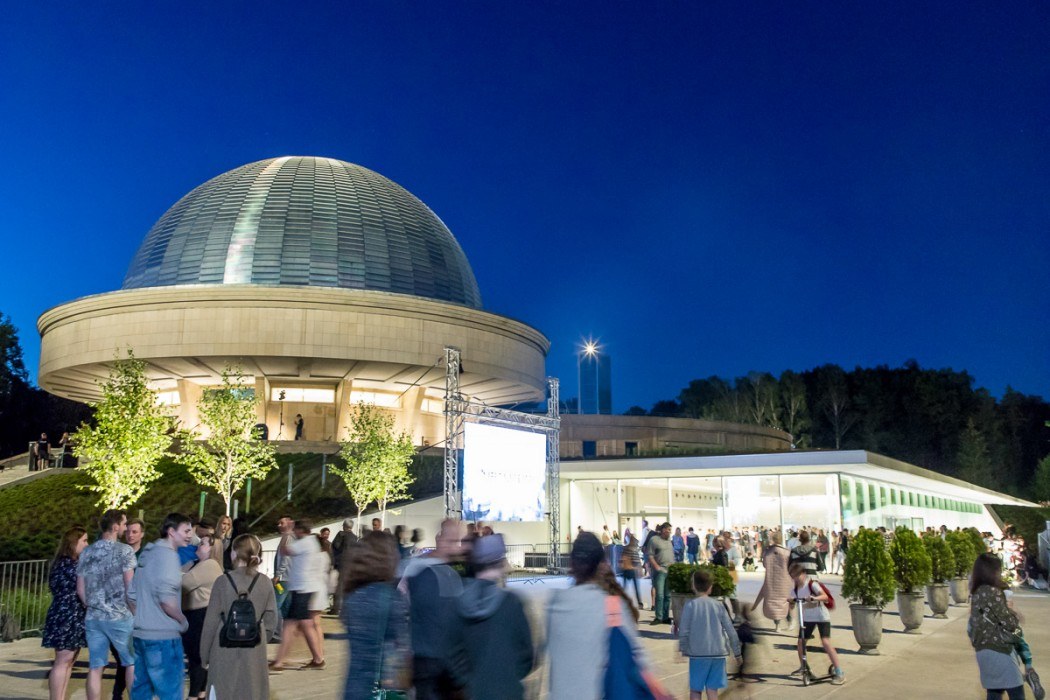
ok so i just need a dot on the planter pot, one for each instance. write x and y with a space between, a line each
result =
937 597
960 588
678 601
912 608
867 627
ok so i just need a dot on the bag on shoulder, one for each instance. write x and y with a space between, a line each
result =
624 678
240 625
830 602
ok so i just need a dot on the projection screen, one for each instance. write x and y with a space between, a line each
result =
504 473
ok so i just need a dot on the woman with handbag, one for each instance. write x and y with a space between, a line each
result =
239 672
995 633
376 617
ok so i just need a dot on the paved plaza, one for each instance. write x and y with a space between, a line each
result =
938 663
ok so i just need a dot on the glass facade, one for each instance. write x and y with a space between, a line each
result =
819 501
595 377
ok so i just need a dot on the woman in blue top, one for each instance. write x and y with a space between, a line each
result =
678 545
64 626
376 617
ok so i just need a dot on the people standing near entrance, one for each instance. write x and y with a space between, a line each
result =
302 548
815 616
104 575
776 587
197 584
298 426
239 672
661 556
692 546
631 567
678 545
64 625
156 592
842 551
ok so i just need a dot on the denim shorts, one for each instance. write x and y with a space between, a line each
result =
160 671
101 633
707 673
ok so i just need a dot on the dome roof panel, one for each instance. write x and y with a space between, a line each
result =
305 221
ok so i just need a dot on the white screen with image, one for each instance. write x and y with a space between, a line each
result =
504 473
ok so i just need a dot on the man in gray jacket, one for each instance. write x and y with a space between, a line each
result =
159 622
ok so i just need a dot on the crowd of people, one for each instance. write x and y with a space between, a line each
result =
439 620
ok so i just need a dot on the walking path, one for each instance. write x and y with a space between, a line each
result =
937 663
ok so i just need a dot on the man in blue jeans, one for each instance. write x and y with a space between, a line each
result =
661 556
159 622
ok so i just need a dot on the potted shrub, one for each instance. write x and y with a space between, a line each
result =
965 555
942 569
680 583
979 545
868 581
911 570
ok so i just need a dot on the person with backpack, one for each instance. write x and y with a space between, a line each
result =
805 554
593 647
816 601
241 619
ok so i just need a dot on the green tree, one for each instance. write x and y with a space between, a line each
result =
795 408
973 462
12 367
942 558
1042 480
130 435
912 567
233 451
868 576
375 458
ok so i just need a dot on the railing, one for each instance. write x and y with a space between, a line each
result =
24 597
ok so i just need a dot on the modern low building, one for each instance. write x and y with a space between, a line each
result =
325 282
828 490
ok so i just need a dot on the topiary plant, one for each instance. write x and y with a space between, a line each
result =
963 552
680 579
868 576
942 561
911 563
979 545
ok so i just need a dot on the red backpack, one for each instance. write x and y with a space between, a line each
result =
830 602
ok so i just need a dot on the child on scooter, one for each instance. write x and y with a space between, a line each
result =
815 615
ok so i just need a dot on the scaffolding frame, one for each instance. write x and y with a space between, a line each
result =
459 409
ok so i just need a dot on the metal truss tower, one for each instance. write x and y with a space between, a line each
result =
453 430
554 476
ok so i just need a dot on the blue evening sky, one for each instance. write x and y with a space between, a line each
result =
707 187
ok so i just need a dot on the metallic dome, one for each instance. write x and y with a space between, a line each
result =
304 221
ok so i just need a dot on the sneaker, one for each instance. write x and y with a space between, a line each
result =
313 666
797 671
1033 680
274 669
838 677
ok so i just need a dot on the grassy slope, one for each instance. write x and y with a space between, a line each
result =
35 514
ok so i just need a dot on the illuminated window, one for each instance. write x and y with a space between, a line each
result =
376 398
433 405
303 395
168 398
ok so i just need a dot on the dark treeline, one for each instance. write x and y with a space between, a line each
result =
26 411
932 418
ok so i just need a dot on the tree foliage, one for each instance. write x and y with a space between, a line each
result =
963 552
942 558
868 575
129 437
911 563
375 458
233 451
934 418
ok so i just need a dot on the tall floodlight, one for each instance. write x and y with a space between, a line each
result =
594 379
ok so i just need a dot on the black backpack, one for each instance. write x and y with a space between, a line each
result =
240 626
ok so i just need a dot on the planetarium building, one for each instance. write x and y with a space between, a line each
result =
324 282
